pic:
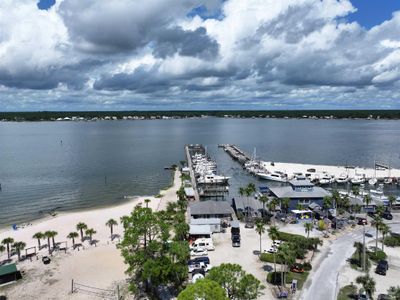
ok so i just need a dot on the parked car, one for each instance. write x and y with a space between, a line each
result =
382 267
203 259
363 296
297 268
199 266
368 234
198 252
362 221
203 243
273 249
236 241
384 297
387 215
46 260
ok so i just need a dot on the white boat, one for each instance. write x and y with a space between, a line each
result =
342 178
372 181
377 192
274 176
388 180
325 179
358 179
212 178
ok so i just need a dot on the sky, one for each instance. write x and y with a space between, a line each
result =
199 54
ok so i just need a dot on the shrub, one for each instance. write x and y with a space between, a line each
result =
380 255
269 257
392 241
307 266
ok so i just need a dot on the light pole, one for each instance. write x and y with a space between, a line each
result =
364 252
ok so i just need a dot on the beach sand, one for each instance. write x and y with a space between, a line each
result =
100 266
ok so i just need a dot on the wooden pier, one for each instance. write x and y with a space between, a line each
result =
192 176
236 153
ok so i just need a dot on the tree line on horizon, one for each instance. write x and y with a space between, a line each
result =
337 114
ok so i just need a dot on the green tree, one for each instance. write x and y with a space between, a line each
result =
327 204
272 207
308 227
394 292
355 190
260 229
73 235
385 230
19 246
81 227
203 289
2 248
368 284
7 242
111 223
273 233
39 236
287 256
236 282
367 202
48 235
263 199
359 248
285 203
377 222
90 232
392 200
153 259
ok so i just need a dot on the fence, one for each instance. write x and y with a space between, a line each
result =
94 291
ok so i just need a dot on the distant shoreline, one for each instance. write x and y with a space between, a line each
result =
236 114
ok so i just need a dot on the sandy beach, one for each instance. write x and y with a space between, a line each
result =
100 266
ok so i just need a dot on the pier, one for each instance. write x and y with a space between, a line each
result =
210 190
236 153
380 171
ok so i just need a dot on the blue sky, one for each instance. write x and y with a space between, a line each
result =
373 12
199 54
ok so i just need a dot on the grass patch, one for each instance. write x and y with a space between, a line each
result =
275 278
269 257
185 177
347 292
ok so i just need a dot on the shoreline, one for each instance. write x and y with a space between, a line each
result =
121 201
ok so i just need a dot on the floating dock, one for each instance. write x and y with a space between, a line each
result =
192 176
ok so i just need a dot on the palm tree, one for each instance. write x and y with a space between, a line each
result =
327 204
81 227
367 201
90 232
72 235
392 200
394 292
377 222
7 241
385 229
48 235
287 257
355 190
285 202
272 206
38 236
19 246
2 248
368 283
111 223
263 199
53 234
308 228
273 233
147 202
260 229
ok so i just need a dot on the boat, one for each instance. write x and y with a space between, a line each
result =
388 180
212 178
358 179
372 181
342 178
377 192
325 179
273 176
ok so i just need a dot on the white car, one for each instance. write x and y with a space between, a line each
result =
277 243
273 249
198 252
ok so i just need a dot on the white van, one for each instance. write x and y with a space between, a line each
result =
203 243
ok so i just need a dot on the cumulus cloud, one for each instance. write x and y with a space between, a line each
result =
196 54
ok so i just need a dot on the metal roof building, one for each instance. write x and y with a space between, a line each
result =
210 209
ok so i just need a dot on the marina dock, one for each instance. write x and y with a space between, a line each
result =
206 183
381 172
236 153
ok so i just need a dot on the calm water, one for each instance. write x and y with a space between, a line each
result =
98 163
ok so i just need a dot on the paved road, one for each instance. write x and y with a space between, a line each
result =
322 283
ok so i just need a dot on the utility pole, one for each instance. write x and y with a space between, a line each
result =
364 250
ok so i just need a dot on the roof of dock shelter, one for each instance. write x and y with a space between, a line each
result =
289 192
210 207
205 221
300 182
